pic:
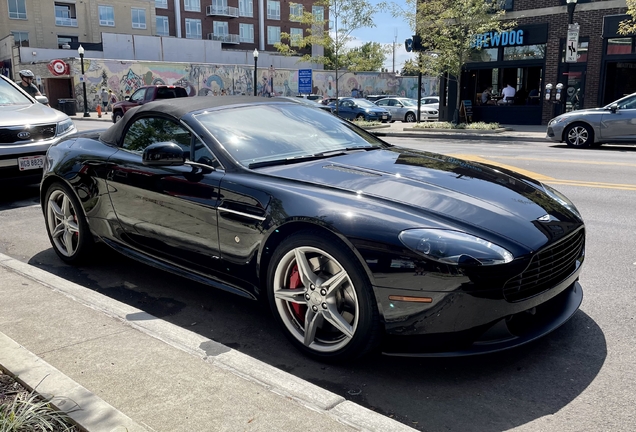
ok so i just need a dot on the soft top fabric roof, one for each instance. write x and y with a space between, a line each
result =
179 107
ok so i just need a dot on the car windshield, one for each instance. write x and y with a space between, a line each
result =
280 132
9 95
628 102
365 103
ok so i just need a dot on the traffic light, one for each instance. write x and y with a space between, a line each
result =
417 43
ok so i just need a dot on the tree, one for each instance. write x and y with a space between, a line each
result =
410 68
368 57
447 31
628 27
345 15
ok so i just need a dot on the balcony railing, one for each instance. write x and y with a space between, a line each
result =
227 11
66 22
224 38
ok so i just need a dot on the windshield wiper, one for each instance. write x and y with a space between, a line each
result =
315 156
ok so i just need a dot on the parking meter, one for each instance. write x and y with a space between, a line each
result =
559 88
548 90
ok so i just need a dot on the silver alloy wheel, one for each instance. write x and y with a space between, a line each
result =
323 311
410 117
578 136
62 223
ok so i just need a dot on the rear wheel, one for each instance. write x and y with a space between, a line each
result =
322 298
66 225
579 135
410 117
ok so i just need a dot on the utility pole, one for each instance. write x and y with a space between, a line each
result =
395 34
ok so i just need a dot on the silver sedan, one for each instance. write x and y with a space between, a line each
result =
405 109
615 122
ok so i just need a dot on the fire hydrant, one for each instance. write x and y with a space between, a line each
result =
99 111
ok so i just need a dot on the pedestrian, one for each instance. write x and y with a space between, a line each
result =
111 99
105 100
26 83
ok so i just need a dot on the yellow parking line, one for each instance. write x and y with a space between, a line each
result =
547 179
573 161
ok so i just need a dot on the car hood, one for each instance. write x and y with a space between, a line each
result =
11 115
450 191
580 113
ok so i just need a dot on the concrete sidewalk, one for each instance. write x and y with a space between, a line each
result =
532 133
127 370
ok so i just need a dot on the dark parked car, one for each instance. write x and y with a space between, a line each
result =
615 122
361 109
147 94
28 127
356 244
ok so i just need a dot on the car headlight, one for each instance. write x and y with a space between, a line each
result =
65 127
454 247
557 120
561 199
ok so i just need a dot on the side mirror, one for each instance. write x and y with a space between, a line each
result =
613 108
42 99
163 154
127 98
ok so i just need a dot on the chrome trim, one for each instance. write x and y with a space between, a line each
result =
258 218
8 162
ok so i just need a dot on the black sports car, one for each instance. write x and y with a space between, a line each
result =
357 244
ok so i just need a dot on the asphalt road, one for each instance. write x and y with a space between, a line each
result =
580 378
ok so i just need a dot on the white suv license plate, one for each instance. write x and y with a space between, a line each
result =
30 162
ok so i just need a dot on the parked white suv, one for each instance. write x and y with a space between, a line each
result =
28 127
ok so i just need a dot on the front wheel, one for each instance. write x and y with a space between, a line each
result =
322 298
117 116
66 225
360 117
410 117
579 135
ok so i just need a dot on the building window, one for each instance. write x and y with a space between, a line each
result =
295 12
318 13
484 55
66 40
21 38
273 10
246 33
138 18
163 26
193 28
106 16
192 5
619 46
17 9
273 35
246 8
65 15
525 52
295 36
220 28
161 4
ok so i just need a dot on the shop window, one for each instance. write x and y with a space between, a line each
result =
484 55
527 52
619 46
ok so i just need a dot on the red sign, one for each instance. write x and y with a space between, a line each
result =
59 67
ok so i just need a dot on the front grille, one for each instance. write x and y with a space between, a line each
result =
25 134
547 268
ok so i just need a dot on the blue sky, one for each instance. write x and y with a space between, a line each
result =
384 32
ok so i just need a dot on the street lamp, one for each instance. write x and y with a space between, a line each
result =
80 51
571 5
255 53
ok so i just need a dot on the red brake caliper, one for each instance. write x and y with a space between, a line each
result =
294 283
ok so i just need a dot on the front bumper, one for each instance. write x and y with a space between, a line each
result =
508 332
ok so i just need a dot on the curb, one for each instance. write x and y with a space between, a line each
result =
459 136
244 366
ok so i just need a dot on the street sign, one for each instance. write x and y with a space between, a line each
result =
572 44
304 81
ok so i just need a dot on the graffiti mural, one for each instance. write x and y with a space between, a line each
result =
124 77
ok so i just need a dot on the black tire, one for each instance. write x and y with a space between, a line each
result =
66 224
360 117
117 115
344 322
579 135
410 117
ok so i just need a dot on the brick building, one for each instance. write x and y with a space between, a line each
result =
532 54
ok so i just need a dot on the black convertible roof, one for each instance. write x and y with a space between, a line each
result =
178 107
